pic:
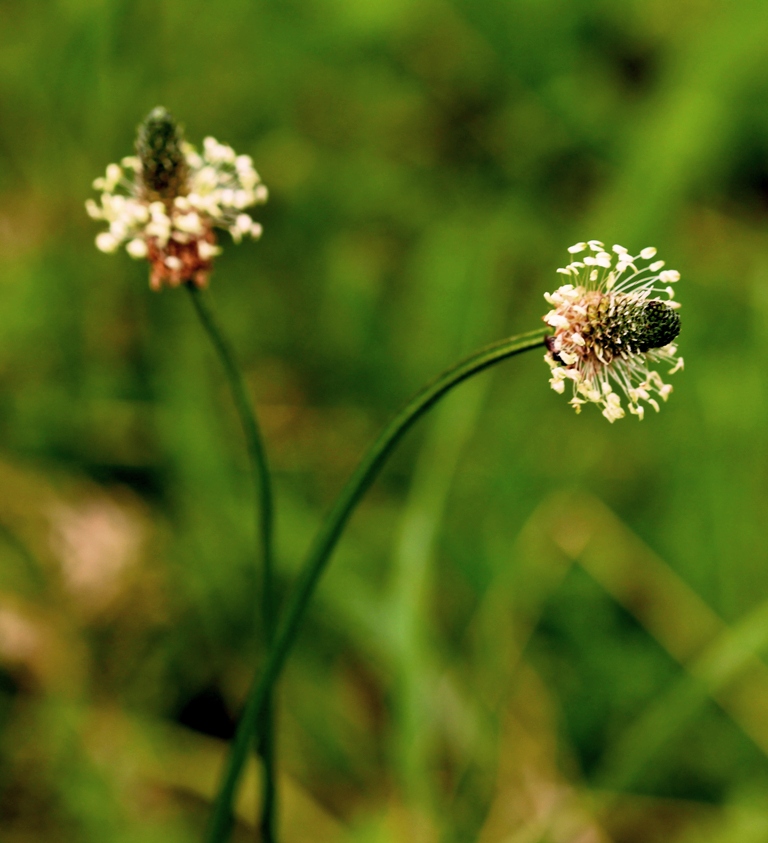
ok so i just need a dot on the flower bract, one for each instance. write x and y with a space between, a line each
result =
164 203
614 319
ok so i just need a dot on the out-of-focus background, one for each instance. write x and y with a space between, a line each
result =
540 628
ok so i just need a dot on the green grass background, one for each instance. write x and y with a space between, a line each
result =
539 628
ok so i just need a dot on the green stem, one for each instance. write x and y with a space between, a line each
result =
264 528
221 819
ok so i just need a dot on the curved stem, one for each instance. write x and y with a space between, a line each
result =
320 553
264 528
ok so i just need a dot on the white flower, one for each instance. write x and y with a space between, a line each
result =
164 203
610 325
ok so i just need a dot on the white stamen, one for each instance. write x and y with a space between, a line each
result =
137 249
106 242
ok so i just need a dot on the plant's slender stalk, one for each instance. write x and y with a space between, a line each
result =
264 528
325 542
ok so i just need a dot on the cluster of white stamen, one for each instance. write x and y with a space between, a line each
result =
220 185
601 336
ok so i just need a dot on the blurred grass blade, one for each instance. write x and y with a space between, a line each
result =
720 662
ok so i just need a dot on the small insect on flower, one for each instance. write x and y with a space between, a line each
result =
616 318
164 203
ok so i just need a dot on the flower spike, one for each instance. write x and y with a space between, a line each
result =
610 324
164 203
164 171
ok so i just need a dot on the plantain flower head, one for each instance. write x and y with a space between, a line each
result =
612 322
164 203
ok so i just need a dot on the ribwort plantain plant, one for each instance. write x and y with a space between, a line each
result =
614 319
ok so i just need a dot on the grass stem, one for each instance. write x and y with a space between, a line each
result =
260 694
264 529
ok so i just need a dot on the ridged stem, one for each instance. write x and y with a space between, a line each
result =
320 553
264 528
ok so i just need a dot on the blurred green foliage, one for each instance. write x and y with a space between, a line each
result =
539 627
